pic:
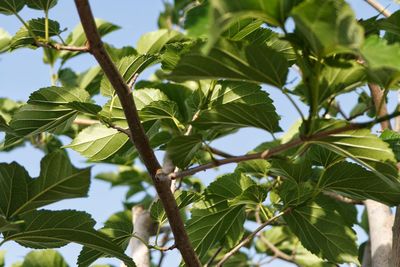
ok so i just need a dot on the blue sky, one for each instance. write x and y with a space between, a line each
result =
23 72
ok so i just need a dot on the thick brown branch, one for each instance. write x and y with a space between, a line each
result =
283 147
138 136
250 237
378 96
61 47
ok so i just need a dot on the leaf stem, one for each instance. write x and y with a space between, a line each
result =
250 237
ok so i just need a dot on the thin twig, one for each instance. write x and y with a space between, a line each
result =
343 199
85 122
280 148
218 152
250 237
211 260
138 135
132 82
61 47
379 7
163 249
277 252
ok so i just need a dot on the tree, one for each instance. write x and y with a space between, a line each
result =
214 61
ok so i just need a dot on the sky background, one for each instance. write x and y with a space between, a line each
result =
23 72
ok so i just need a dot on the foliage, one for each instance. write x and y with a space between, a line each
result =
217 62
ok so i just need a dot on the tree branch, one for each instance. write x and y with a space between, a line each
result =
250 237
380 8
138 135
277 252
283 147
61 47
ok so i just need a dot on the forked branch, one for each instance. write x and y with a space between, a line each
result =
281 148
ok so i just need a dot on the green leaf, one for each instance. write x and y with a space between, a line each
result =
366 149
52 229
391 27
24 38
322 230
393 139
45 5
153 42
214 220
98 142
128 67
2 261
336 80
297 172
46 111
217 223
84 107
354 181
227 12
258 168
236 61
228 186
58 180
14 180
42 258
253 195
58 96
6 226
158 110
78 38
182 149
239 115
10 7
382 60
118 227
328 26
5 40
282 238
237 92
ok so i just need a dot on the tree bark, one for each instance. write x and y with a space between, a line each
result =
138 136
380 231
142 224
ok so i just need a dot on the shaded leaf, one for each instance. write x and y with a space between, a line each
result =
366 149
382 60
45 5
393 139
239 115
128 67
52 229
24 38
328 26
182 149
322 230
119 228
352 180
236 61
14 180
58 180
10 7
